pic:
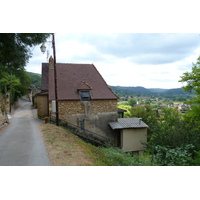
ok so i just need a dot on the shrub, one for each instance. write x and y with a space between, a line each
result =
196 161
180 156
116 157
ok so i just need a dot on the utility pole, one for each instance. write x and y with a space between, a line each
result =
43 49
55 80
10 89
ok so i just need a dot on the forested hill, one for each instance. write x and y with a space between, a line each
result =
135 91
35 79
120 90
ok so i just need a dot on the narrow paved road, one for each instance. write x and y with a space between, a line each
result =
21 143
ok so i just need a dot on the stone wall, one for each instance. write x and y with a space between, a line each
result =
42 105
3 115
94 114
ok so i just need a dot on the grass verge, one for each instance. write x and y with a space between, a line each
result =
66 149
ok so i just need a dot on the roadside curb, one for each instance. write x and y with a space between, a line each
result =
3 125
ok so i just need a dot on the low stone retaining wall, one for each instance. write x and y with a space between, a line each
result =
3 115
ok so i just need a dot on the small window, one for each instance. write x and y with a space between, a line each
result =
85 96
82 126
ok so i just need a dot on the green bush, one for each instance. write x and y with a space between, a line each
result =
180 156
196 161
116 157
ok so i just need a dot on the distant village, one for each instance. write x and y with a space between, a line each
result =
157 103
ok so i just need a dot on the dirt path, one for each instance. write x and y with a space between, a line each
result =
64 149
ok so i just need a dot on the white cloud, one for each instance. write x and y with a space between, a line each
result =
71 48
149 60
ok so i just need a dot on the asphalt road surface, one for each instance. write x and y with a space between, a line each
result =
21 143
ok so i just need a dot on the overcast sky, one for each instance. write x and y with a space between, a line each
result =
155 60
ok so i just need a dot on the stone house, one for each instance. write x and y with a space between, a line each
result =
182 108
86 101
41 103
84 98
41 100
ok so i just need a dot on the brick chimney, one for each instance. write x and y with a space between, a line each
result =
51 63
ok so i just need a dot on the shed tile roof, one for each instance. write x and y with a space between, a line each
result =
71 76
127 123
121 110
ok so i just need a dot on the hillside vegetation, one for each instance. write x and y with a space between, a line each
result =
35 79
139 91
122 91
15 52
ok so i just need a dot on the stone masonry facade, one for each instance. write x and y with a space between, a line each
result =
94 114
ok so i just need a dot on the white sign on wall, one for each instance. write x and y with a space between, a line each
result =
53 106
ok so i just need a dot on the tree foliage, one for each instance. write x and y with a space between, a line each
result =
116 157
141 91
132 101
169 135
15 48
35 80
179 156
15 51
20 84
192 81
174 138
148 115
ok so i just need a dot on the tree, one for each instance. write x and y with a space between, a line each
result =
35 80
173 140
25 82
148 101
20 84
132 102
6 83
192 80
15 51
148 115
15 48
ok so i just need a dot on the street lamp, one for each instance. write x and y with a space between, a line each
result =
43 49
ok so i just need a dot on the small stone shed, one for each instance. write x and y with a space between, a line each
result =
40 102
132 132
